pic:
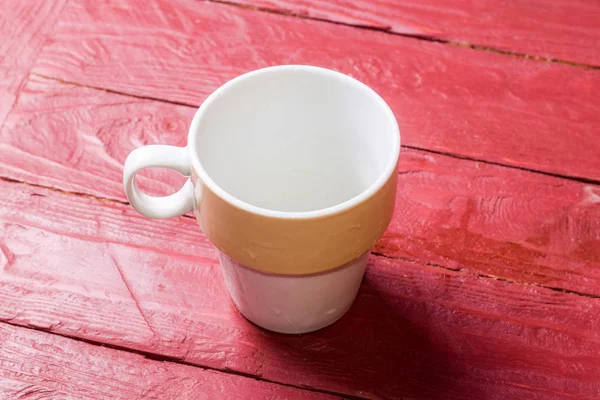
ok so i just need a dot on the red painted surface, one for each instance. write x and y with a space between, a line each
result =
97 270
456 213
38 365
473 103
23 29
560 29
485 285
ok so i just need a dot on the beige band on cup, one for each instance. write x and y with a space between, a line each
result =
295 246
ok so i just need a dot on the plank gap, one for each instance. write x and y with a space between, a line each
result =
136 96
105 200
486 276
427 38
499 164
175 360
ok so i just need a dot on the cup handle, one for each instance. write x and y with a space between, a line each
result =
176 158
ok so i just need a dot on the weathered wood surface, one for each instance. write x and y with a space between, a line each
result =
96 270
558 29
38 365
496 221
483 218
77 139
476 104
486 285
23 26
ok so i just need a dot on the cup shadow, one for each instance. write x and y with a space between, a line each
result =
382 348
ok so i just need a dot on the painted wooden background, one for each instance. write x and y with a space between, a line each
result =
486 284
557 30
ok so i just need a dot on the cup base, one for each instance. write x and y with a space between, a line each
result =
293 304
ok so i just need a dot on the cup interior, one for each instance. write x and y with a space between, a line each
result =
295 138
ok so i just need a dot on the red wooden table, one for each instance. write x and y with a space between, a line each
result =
485 286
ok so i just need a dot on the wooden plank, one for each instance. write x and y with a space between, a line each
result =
558 29
98 271
76 138
38 365
482 218
476 104
23 28
496 221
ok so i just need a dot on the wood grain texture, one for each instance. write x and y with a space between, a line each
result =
558 29
23 28
496 221
96 270
38 365
482 218
475 104
90 133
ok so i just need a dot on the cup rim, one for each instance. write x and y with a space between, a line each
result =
320 213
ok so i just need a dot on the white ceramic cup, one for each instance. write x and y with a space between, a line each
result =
293 178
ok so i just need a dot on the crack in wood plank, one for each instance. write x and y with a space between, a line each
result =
427 38
104 200
8 256
133 296
34 392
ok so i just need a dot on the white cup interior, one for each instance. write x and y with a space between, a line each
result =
295 138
